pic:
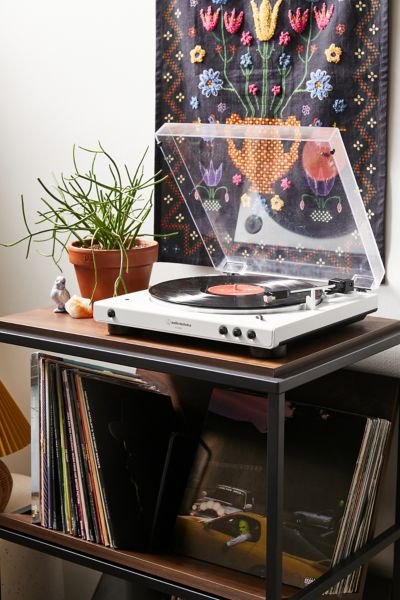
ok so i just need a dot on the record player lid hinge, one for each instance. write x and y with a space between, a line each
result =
233 267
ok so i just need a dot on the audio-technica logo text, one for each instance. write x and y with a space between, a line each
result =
172 323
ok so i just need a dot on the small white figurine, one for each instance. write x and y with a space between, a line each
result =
59 294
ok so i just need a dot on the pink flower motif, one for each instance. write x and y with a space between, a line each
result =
237 179
323 16
232 22
232 49
253 89
192 32
286 184
276 90
313 48
299 21
284 38
340 28
246 38
299 48
210 19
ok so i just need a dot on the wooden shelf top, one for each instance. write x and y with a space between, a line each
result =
213 579
40 328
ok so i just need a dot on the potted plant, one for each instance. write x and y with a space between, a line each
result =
97 219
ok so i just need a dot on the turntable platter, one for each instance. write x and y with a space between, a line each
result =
235 292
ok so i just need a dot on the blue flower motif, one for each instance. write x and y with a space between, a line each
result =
246 61
220 1
210 82
194 102
318 85
285 60
339 105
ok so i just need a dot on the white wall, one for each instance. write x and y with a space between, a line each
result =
75 72
70 72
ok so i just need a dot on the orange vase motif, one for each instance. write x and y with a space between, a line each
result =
263 162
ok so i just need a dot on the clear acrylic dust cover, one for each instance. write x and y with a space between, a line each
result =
274 199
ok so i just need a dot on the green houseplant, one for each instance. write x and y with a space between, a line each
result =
97 220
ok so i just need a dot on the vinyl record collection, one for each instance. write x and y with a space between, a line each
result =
96 472
333 461
100 476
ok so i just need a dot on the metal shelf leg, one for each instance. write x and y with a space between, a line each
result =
396 547
275 465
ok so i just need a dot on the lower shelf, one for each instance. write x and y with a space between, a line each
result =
168 573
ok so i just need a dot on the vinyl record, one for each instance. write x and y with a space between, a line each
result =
224 292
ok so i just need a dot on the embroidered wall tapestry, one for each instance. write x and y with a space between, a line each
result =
263 61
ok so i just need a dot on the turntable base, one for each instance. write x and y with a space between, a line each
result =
264 332
256 352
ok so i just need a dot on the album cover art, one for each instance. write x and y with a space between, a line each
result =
223 516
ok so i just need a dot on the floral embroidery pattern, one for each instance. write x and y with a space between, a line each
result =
232 22
197 54
265 19
323 16
277 203
284 38
298 21
210 82
318 85
333 53
339 105
246 38
270 59
210 19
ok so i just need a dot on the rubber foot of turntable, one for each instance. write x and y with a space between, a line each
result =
278 352
120 329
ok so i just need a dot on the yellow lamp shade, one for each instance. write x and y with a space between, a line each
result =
15 431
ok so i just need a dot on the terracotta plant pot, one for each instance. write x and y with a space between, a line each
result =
140 261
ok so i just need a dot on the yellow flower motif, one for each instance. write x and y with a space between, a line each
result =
197 54
265 19
245 200
277 203
333 53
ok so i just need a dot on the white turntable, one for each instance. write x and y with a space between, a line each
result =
281 216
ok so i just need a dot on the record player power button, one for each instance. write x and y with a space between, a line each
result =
223 330
251 334
237 332
111 313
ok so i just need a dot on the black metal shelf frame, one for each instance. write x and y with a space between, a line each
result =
275 387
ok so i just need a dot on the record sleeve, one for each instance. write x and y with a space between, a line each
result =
223 516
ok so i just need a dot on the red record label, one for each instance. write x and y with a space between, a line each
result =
236 289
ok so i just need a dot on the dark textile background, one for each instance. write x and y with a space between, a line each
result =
332 72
